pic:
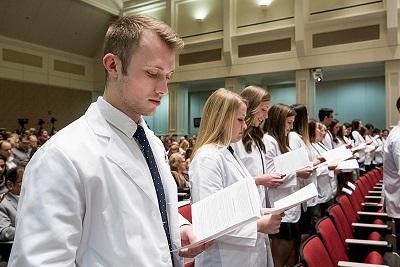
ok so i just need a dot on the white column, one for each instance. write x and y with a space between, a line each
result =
178 109
392 91
234 84
305 90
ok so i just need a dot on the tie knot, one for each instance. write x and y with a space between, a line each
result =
139 132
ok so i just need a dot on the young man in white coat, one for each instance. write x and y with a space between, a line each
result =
325 116
391 176
108 197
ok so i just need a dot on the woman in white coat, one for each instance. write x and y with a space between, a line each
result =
285 246
325 178
251 149
215 166
358 140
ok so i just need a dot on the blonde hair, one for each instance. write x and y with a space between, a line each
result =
184 144
254 96
123 36
217 120
174 161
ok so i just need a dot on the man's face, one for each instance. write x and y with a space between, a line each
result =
5 149
149 70
24 144
33 141
328 119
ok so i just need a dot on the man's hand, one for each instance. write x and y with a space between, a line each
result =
187 238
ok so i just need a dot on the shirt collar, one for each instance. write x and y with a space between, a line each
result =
117 118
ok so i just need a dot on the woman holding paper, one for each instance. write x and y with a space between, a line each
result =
251 149
325 179
359 141
215 166
285 246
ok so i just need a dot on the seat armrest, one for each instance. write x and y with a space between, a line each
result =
371 225
373 197
357 264
351 241
371 204
381 214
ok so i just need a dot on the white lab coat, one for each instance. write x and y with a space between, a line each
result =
88 200
296 142
212 169
328 140
358 140
326 181
289 186
255 164
378 157
370 149
391 173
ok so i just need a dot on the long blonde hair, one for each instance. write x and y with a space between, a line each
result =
254 95
217 120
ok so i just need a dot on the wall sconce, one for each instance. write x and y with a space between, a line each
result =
264 3
200 14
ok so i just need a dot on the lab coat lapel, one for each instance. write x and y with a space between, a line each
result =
119 153
235 161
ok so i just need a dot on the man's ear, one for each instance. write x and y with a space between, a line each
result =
110 63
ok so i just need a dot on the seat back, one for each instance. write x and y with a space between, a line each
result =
366 184
186 212
356 199
364 189
348 209
332 241
341 223
313 253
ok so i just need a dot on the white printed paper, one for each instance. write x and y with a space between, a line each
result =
336 155
348 165
306 193
234 206
291 161
359 147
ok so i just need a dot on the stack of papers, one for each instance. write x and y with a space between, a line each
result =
359 147
348 165
292 161
336 155
306 193
234 206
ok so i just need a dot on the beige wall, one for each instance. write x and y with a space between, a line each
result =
34 101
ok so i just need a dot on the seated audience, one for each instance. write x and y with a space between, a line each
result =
3 187
179 171
5 151
8 206
22 152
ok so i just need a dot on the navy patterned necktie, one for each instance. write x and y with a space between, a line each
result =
140 136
